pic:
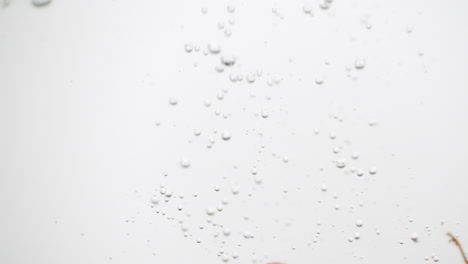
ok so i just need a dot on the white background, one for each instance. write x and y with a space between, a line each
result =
83 84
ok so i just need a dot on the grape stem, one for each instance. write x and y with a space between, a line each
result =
455 240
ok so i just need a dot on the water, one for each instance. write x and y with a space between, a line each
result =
236 132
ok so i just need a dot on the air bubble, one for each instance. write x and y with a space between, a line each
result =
39 3
373 170
264 114
214 48
226 135
258 179
188 48
341 163
185 163
207 103
307 8
228 60
154 200
360 172
414 237
231 8
319 80
359 223
324 188
210 211
372 122
173 101
360 63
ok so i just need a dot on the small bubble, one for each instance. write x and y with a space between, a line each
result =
210 211
360 172
227 32
231 8
264 114
373 170
39 3
307 8
354 155
217 188
253 171
409 29
214 48
226 232
258 179
228 60
221 25
226 135
188 48
173 101
360 63
357 235
204 10
372 122
414 237
185 163
319 80
336 150
324 188
332 135
324 4
251 77
235 190
154 200
316 131
197 132
207 103
341 163
359 223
